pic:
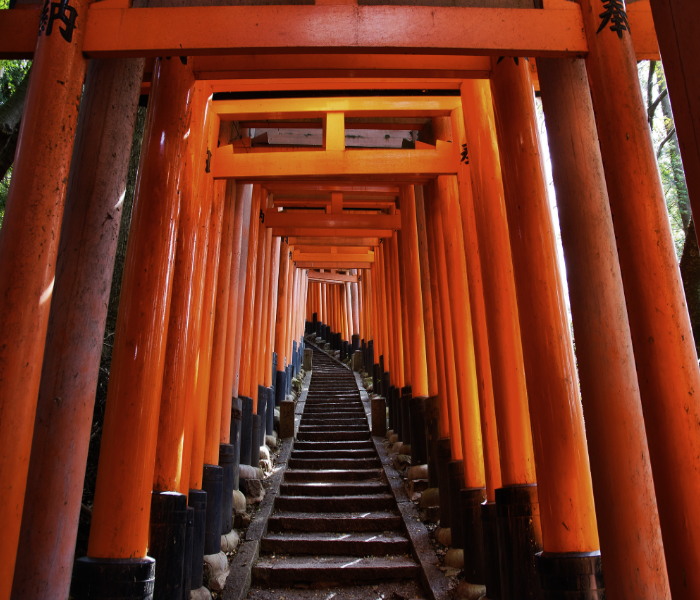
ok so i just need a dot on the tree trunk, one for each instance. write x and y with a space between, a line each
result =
10 118
690 273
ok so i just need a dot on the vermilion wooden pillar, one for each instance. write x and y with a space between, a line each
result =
426 294
405 342
414 299
272 309
383 318
229 380
205 436
121 510
450 404
664 350
86 253
561 456
630 535
281 322
257 327
485 217
28 246
185 316
250 298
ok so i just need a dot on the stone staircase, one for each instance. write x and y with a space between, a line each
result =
335 519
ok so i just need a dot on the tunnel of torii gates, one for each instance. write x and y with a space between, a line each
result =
436 258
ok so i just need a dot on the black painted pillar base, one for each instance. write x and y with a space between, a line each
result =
270 415
419 454
370 353
396 401
236 422
319 328
355 342
404 403
280 387
166 542
187 579
444 456
566 576
473 534
393 416
295 366
381 371
274 370
227 457
246 430
455 472
198 501
213 485
375 379
255 442
492 569
104 578
262 411
290 375
519 539
431 407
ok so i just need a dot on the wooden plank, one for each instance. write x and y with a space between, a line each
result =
298 108
332 265
289 187
383 163
321 203
320 220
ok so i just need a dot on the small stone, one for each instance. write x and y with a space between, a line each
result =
444 535
455 558
418 472
238 502
469 591
200 594
229 541
217 570
256 491
248 472
430 497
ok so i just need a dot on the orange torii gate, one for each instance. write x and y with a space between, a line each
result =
639 320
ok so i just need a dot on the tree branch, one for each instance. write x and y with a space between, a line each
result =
666 139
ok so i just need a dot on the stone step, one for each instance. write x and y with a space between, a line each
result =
293 475
324 436
342 544
331 427
335 503
368 453
334 522
294 569
334 488
333 463
363 445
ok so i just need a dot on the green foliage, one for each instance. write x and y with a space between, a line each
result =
653 84
12 72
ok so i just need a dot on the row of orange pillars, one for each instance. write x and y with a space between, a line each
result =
481 325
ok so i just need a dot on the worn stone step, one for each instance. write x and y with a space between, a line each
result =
323 436
334 522
349 411
292 475
331 427
335 503
361 445
343 544
316 422
334 488
362 453
333 463
295 569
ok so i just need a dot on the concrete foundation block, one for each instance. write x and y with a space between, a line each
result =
454 558
287 419
418 472
248 472
200 594
308 353
238 502
256 491
444 536
469 591
430 497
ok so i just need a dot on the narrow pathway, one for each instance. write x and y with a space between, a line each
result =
335 521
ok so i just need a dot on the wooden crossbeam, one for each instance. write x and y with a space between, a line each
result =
332 265
331 221
331 277
370 242
297 232
335 250
206 30
318 257
298 108
348 204
333 163
291 187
